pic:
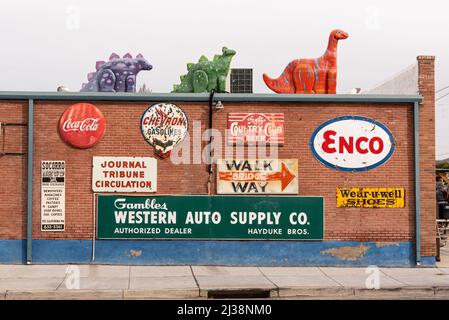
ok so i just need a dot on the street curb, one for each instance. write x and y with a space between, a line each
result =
101 294
161 294
299 293
359 293
315 292
65 295
396 293
442 292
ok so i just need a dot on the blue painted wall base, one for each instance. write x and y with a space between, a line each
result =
231 253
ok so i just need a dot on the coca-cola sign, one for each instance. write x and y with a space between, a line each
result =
163 126
252 128
82 125
88 124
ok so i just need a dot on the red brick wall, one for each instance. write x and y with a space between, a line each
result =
426 84
13 172
318 180
123 138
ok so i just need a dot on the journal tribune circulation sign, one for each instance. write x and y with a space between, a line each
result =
352 143
210 217
124 174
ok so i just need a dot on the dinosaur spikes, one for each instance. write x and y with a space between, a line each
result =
90 75
189 66
139 56
202 58
128 56
98 64
114 56
182 77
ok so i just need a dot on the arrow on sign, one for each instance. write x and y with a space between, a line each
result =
285 176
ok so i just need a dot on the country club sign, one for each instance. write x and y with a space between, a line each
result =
257 176
251 128
352 143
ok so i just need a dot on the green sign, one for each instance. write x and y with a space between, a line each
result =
209 217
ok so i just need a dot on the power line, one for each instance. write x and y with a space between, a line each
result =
444 88
441 155
443 96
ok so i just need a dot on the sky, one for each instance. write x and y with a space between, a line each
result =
48 43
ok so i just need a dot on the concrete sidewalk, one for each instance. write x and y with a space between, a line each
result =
191 282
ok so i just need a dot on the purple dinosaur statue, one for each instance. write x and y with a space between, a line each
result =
116 75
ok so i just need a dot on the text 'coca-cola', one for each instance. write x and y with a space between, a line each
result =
82 125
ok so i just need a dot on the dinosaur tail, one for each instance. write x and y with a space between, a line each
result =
283 84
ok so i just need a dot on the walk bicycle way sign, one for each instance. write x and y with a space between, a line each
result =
210 217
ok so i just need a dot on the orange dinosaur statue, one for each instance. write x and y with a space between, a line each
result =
310 75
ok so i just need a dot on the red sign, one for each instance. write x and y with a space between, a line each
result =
82 125
251 128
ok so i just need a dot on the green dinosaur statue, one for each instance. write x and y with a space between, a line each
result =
206 75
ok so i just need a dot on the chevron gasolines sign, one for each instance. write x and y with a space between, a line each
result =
352 143
163 126
257 176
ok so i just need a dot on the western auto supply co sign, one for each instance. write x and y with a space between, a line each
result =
371 197
352 143
163 126
82 125
250 128
210 217
258 176
124 174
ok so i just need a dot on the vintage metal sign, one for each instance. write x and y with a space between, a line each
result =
163 126
257 176
52 196
258 128
209 217
371 197
124 174
82 125
352 143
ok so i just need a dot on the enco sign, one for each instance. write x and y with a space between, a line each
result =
352 143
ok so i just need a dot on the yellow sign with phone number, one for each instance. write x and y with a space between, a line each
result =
371 197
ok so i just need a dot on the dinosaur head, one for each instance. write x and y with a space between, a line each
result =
143 63
228 52
339 34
